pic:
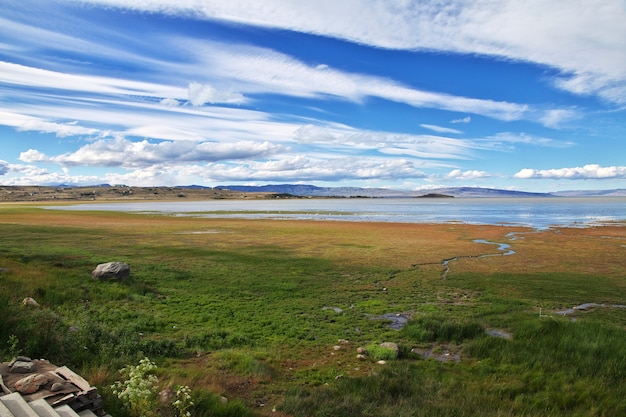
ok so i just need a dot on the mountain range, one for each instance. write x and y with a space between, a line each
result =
304 190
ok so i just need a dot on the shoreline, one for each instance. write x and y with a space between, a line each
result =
48 194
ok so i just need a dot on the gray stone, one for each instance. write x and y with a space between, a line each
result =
28 301
111 270
22 367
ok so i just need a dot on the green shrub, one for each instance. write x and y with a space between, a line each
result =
442 329
216 340
378 352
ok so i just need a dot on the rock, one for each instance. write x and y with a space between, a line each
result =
166 396
111 270
361 356
28 301
22 366
381 362
361 350
57 386
390 345
336 347
31 383
223 400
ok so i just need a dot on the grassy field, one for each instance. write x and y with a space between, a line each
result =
269 314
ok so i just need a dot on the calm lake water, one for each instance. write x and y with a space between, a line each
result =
539 213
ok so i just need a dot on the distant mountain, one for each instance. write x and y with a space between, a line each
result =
619 192
304 190
478 192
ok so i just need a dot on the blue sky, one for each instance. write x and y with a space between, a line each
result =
371 93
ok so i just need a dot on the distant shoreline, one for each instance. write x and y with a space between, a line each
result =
43 194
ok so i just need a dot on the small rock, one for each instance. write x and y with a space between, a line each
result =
339 377
28 301
390 345
335 309
361 350
381 362
361 356
166 396
57 386
31 383
223 400
343 341
22 367
337 347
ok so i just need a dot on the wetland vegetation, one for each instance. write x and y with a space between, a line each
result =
269 314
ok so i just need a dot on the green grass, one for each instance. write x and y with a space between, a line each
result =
243 311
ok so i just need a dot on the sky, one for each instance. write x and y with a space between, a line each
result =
404 94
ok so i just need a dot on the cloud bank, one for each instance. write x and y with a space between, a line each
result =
587 172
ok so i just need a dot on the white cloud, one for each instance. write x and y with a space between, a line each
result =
121 152
25 76
311 169
27 123
171 102
33 155
457 174
510 139
200 94
591 171
4 167
556 118
440 129
585 40
388 143
466 119
255 70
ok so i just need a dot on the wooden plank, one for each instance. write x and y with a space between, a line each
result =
4 387
69 375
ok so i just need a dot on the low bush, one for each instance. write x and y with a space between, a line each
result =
443 329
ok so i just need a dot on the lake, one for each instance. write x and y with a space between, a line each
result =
538 213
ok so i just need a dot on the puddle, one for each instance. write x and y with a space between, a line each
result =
439 353
398 321
587 307
499 333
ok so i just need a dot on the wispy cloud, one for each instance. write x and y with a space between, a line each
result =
465 119
585 40
440 129
510 139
